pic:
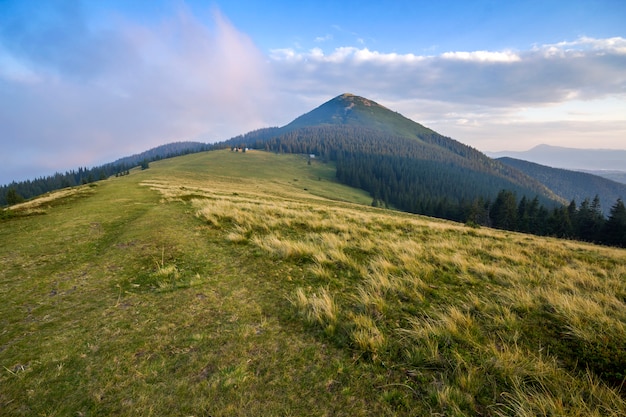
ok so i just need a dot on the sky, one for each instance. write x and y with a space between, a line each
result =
83 83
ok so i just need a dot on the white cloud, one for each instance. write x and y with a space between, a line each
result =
325 38
614 45
483 56
288 54
542 75
344 55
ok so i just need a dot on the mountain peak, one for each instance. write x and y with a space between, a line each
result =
352 100
353 110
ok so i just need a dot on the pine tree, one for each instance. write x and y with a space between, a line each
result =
503 213
523 218
615 226
560 223
589 220
13 197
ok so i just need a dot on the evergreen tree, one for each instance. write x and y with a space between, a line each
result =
536 223
478 212
13 197
573 213
560 223
589 221
615 226
596 208
523 218
503 213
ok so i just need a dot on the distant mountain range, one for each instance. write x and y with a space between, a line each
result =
597 161
617 176
572 185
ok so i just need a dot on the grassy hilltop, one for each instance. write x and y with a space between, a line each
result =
248 284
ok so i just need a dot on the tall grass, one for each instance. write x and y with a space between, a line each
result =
508 324
317 308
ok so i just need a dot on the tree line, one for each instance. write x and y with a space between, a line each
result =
585 222
18 191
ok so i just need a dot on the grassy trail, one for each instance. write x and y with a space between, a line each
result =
118 304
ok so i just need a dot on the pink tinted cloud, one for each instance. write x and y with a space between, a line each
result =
178 79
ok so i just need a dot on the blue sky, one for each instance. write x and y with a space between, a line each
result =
85 82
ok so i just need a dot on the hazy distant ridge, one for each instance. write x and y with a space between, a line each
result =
570 158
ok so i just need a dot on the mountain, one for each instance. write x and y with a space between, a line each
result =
398 161
348 109
572 185
571 158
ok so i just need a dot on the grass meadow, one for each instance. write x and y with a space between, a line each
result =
221 284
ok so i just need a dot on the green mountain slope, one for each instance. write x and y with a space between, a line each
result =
351 110
247 284
398 161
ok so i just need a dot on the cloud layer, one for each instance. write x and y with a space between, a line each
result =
83 95
584 69
78 92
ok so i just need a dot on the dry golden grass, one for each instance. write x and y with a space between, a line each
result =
53 196
365 335
318 308
479 305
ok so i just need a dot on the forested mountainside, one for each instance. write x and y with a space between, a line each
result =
400 162
414 176
572 185
617 176
407 166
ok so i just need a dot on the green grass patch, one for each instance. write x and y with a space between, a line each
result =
215 284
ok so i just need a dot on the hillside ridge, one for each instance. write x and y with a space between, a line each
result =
228 283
